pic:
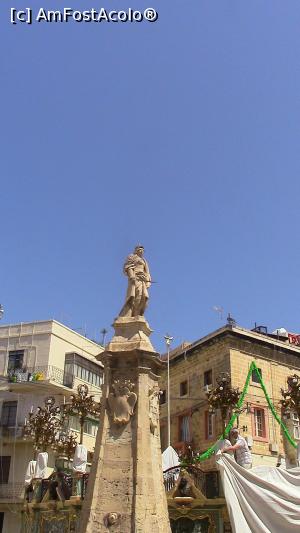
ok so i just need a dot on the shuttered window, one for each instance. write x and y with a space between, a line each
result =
9 414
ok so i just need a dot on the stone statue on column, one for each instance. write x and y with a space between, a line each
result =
139 280
125 492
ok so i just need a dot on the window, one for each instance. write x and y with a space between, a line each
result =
162 397
90 426
1 521
79 367
259 423
9 414
208 377
15 360
254 376
209 425
296 426
184 429
183 388
4 468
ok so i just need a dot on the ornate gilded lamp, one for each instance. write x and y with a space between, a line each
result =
291 396
64 447
223 397
82 405
43 426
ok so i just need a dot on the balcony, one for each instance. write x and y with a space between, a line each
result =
12 491
40 374
59 486
8 433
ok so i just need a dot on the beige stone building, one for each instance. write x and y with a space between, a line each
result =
37 360
194 369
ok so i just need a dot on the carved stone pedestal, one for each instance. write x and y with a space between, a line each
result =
125 489
130 334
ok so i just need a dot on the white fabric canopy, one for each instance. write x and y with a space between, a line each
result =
80 458
30 472
41 465
262 500
169 458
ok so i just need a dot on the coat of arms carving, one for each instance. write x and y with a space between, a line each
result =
122 400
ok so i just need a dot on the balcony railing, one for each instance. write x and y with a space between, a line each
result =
41 373
12 491
11 432
206 482
46 373
60 485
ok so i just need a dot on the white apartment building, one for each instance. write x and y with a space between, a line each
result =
37 360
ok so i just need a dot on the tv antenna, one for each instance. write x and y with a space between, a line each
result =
231 321
218 309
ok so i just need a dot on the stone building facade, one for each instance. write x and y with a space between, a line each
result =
37 360
193 371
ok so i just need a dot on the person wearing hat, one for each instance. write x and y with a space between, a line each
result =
240 448
139 280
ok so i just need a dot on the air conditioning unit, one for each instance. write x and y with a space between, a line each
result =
273 447
207 388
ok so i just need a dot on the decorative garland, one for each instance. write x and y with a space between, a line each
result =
212 449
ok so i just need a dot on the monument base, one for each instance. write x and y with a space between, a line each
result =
131 333
125 490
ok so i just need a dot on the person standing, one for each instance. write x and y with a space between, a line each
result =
240 448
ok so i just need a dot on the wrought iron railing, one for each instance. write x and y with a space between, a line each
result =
170 478
60 485
41 373
11 432
206 482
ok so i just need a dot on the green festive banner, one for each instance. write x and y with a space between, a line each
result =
212 449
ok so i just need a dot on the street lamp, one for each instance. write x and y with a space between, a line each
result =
103 333
1 311
168 340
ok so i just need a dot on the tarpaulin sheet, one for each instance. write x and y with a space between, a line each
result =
261 500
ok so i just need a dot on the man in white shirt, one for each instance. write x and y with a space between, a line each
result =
240 448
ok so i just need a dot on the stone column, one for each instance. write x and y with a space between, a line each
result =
125 489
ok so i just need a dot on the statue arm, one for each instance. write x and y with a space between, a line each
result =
129 267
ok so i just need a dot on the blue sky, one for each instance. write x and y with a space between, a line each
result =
181 134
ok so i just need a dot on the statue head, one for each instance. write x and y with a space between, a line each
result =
139 249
